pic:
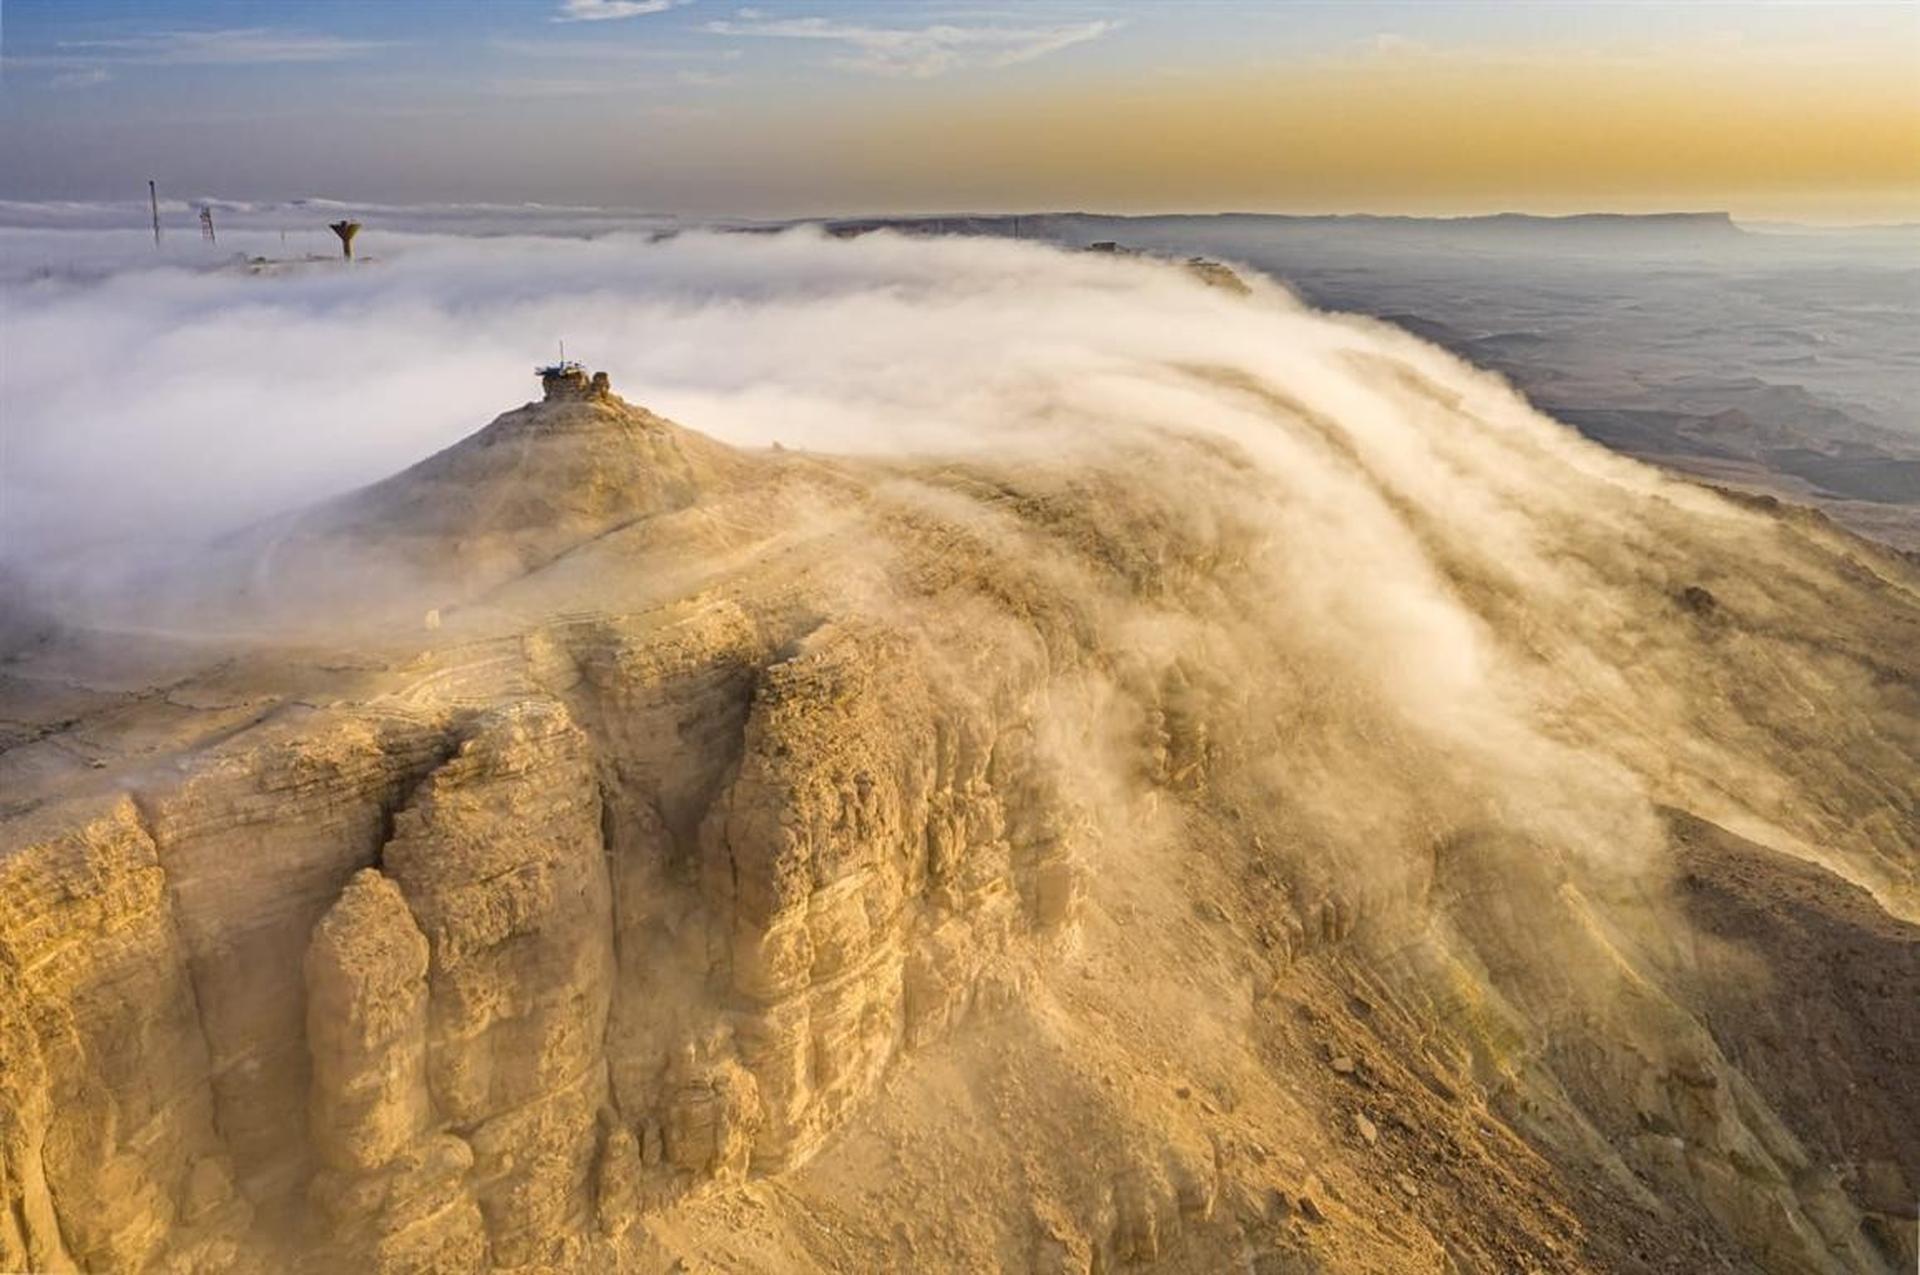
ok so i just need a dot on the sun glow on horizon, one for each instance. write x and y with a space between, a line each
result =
1792 110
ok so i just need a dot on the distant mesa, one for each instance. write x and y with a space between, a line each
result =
1214 274
1105 232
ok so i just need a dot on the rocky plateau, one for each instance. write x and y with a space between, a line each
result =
692 858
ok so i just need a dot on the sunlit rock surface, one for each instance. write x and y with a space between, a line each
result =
1141 858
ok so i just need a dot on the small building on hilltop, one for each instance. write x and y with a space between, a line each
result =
568 381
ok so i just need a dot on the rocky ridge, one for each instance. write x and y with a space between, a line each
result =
776 862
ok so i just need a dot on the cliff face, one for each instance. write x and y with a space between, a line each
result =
779 863
458 1007
112 1153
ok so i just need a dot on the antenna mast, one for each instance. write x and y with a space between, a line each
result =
153 198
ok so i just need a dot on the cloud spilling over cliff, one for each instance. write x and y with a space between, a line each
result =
1084 592
184 401
1404 527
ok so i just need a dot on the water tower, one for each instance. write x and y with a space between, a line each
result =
346 230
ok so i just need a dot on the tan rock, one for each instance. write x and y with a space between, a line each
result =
367 1026
499 856
817 863
105 1113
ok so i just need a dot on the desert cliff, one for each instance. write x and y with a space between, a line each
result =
777 861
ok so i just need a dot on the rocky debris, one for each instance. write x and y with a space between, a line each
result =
1368 1131
1773 922
1278 1206
1693 1136
713 1115
414 1213
1699 600
619 1184
1145 1213
1059 1246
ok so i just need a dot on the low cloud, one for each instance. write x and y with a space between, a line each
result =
917 52
184 396
1451 614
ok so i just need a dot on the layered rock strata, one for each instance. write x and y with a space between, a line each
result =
793 864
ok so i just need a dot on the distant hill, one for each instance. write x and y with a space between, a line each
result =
1506 228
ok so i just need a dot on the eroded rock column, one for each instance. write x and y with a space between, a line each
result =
501 860
394 1191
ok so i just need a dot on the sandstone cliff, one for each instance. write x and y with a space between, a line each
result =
776 862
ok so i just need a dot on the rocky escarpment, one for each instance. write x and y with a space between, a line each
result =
394 1186
111 1151
783 863
515 996
416 1041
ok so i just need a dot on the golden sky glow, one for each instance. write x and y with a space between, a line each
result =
1799 109
1418 132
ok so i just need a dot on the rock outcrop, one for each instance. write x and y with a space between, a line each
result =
110 1153
394 1188
863 862
521 934
784 863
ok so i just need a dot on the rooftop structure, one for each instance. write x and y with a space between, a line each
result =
568 380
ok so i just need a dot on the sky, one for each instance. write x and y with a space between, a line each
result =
1793 111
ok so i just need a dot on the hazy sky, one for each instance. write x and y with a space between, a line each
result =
1796 110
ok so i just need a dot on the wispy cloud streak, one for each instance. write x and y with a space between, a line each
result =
917 52
233 46
610 10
